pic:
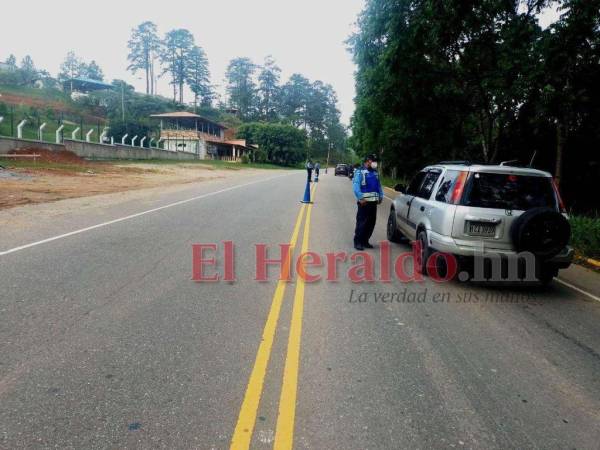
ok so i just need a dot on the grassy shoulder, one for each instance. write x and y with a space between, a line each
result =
391 182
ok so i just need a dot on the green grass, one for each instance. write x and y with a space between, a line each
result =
41 94
585 235
391 182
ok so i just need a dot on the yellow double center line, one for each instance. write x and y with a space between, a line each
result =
244 428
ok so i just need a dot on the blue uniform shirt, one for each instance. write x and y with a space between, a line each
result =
366 181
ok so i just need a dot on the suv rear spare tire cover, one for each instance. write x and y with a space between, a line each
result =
541 231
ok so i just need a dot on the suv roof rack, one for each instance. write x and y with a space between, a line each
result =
509 163
456 163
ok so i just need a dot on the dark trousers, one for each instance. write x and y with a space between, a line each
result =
309 174
366 216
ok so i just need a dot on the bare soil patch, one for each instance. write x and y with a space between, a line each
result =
61 175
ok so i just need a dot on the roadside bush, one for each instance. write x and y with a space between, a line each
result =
245 159
585 235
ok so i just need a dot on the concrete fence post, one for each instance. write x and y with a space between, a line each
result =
133 139
20 129
88 135
74 133
103 135
142 141
150 143
58 134
41 131
123 138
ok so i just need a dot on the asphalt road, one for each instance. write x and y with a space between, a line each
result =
107 342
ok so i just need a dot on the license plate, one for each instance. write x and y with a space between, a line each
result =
482 229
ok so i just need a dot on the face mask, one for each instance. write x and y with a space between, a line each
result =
373 165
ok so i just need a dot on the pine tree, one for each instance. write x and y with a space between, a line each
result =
93 71
11 61
198 76
268 88
241 87
143 48
28 70
176 50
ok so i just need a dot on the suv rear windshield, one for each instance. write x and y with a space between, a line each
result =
508 191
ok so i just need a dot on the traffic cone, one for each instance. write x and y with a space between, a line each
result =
306 198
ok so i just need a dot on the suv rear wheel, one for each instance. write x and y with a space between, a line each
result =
421 263
393 234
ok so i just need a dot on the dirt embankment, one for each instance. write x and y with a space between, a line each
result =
59 175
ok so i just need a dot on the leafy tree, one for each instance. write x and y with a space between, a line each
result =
144 45
177 47
313 106
241 87
268 89
294 100
478 80
571 99
198 76
278 143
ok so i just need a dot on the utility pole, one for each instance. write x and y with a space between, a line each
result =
328 150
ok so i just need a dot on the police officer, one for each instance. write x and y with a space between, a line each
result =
309 169
317 169
369 194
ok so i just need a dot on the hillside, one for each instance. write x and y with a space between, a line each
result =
45 105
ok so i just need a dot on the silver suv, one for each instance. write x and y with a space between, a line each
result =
490 210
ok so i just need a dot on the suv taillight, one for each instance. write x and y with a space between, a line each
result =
459 186
561 204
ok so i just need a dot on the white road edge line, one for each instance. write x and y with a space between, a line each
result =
581 291
133 216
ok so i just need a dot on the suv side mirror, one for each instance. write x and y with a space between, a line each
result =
400 188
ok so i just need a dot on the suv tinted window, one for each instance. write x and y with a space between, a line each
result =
415 184
444 192
430 179
507 191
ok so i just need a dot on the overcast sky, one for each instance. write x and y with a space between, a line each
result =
303 36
